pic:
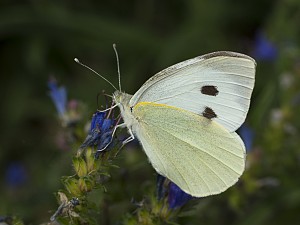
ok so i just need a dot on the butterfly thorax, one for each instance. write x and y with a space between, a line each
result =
122 100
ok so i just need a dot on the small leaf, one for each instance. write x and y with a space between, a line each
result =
62 197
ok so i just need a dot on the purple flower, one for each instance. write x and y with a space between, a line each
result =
97 121
6 220
264 50
58 96
176 197
106 133
161 190
100 133
247 135
15 174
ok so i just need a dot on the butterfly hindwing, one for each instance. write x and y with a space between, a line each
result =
199 155
217 86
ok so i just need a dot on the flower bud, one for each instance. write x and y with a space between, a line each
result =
80 166
71 185
82 185
89 183
90 160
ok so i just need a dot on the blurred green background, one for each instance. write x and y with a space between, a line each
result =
39 39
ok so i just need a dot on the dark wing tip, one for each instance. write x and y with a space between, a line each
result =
229 54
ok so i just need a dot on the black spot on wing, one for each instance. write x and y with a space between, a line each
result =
209 90
209 113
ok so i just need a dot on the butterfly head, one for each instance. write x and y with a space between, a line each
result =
122 100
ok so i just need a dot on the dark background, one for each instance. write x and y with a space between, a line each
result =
39 39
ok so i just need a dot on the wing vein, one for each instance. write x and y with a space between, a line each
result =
179 127
183 178
190 100
196 148
193 164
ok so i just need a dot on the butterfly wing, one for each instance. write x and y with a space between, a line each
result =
217 86
200 156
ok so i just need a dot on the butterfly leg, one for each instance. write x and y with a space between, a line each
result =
110 108
129 139
113 133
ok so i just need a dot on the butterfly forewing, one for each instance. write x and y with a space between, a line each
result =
217 86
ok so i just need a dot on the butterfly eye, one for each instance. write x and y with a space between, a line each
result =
209 113
210 90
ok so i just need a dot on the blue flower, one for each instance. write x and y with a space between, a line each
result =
176 197
247 135
106 136
264 50
161 190
58 96
6 220
100 132
15 174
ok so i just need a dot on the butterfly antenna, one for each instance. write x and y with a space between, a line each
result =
89 68
118 65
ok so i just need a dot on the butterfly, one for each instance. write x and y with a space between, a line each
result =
185 118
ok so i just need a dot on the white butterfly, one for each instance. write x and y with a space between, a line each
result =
185 118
